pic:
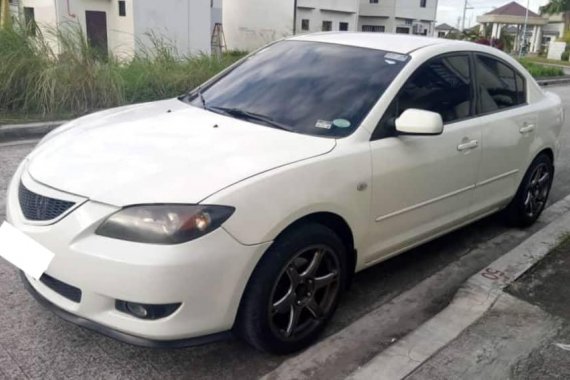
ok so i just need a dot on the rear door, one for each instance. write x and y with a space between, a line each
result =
508 129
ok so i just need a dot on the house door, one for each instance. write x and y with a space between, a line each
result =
97 31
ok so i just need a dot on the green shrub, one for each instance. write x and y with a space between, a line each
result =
565 56
541 71
35 79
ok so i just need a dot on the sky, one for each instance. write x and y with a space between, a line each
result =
450 10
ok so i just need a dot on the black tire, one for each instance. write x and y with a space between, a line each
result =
271 299
531 197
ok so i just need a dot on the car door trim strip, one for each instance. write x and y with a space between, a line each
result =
496 178
428 202
422 204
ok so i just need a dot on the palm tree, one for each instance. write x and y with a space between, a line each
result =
558 6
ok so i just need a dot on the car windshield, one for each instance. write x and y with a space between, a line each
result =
312 88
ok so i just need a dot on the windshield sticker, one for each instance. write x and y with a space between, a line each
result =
323 124
396 57
341 123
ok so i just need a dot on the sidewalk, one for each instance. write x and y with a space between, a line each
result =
511 320
525 335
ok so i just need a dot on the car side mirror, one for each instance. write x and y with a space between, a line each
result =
419 122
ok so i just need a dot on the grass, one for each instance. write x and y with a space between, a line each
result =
548 61
39 82
541 71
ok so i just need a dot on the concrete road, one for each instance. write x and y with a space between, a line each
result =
36 344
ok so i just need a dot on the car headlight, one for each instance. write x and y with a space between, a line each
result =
164 224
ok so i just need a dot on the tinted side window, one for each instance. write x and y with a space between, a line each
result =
442 85
521 89
497 85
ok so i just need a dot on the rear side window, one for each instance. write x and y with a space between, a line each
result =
498 85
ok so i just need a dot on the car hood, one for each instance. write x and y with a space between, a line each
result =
160 152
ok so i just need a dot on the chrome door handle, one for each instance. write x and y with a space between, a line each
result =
468 145
527 128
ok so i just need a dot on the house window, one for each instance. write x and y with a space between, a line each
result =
304 24
408 22
441 34
343 26
374 28
401 30
373 1
327 26
423 3
122 8
30 20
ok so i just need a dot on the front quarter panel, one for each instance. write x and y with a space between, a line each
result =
268 203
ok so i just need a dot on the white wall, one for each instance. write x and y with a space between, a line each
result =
317 16
120 36
555 50
50 14
411 9
184 24
250 24
379 21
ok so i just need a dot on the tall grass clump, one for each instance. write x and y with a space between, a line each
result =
56 73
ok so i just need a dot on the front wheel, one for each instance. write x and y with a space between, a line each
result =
294 290
531 197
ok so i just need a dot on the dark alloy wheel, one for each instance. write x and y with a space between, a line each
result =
304 293
532 195
294 290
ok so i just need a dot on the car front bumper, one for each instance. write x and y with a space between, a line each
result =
207 276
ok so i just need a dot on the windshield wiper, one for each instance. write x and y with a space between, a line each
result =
243 114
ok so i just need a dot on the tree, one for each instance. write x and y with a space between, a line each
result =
558 6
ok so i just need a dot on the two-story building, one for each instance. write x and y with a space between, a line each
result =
124 27
390 16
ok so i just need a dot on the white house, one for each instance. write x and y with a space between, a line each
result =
250 24
391 16
398 16
123 27
326 15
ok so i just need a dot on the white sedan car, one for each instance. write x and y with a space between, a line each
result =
246 206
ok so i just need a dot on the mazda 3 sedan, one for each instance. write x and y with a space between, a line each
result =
245 206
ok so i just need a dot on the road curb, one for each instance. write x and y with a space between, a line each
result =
552 82
21 131
472 300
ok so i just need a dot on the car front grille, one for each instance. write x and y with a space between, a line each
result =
65 290
39 208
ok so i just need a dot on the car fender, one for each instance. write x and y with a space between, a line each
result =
338 183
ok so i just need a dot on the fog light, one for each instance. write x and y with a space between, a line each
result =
146 311
137 310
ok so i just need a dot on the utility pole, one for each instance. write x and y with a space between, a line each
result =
295 17
466 6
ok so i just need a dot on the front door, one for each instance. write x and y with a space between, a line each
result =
96 23
424 185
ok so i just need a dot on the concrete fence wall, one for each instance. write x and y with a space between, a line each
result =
555 50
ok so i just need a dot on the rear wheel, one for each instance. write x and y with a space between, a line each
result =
531 197
293 291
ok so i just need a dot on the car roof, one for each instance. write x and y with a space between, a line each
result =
398 43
